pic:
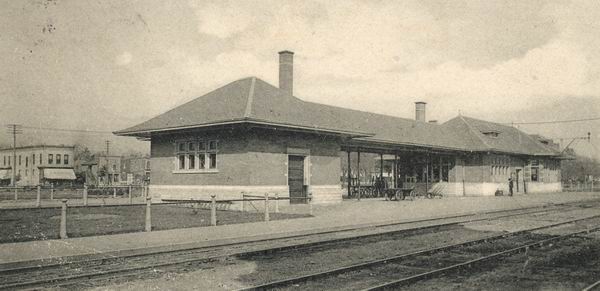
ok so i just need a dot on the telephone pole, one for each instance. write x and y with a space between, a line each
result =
14 129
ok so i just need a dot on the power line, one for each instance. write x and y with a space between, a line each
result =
557 121
69 130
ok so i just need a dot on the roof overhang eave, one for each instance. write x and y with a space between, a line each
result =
397 143
145 134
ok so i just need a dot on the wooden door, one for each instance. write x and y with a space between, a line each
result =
296 179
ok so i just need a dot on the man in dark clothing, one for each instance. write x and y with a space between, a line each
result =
510 186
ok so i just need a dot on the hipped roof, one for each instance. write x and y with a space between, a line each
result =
254 101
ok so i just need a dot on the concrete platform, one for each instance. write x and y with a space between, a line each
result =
327 217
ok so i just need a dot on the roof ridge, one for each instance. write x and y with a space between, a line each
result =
250 99
475 132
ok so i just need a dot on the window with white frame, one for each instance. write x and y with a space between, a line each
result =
196 155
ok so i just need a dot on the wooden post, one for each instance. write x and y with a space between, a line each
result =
267 207
276 203
358 176
426 174
243 201
381 183
148 214
51 191
129 195
349 176
310 203
395 170
213 210
63 220
38 200
85 195
114 192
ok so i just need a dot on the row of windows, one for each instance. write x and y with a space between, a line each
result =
27 172
500 170
51 160
197 155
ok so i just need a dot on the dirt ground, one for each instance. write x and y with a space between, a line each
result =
40 224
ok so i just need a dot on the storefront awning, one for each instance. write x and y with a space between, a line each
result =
59 174
5 174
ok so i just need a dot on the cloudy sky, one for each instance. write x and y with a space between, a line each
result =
106 65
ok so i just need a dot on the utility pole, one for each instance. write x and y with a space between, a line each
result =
14 129
107 151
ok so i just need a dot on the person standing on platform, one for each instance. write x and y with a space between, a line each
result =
510 186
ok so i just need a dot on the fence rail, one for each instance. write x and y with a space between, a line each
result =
577 186
42 193
139 216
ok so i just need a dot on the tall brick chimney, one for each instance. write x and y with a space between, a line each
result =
286 71
420 111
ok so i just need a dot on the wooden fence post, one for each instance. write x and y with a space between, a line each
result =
310 204
213 210
130 196
38 198
85 194
63 220
243 201
148 214
267 218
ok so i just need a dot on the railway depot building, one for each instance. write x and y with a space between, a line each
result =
250 136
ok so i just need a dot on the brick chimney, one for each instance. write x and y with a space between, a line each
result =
420 111
286 71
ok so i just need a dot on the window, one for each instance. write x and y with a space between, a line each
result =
33 159
26 173
196 155
4 157
50 159
33 172
40 159
66 159
26 162
19 160
9 160
114 167
58 159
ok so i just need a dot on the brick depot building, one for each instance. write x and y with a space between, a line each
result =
250 136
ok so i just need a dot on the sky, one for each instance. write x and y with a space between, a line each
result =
108 65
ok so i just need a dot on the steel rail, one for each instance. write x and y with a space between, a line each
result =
128 271
469 263
592 286
317 275
543 208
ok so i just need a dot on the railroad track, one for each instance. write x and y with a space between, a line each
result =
72 273
593 286
420 265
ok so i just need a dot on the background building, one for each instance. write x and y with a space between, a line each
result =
39 164
102 170
135 170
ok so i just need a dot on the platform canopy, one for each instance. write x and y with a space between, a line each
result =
59 174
